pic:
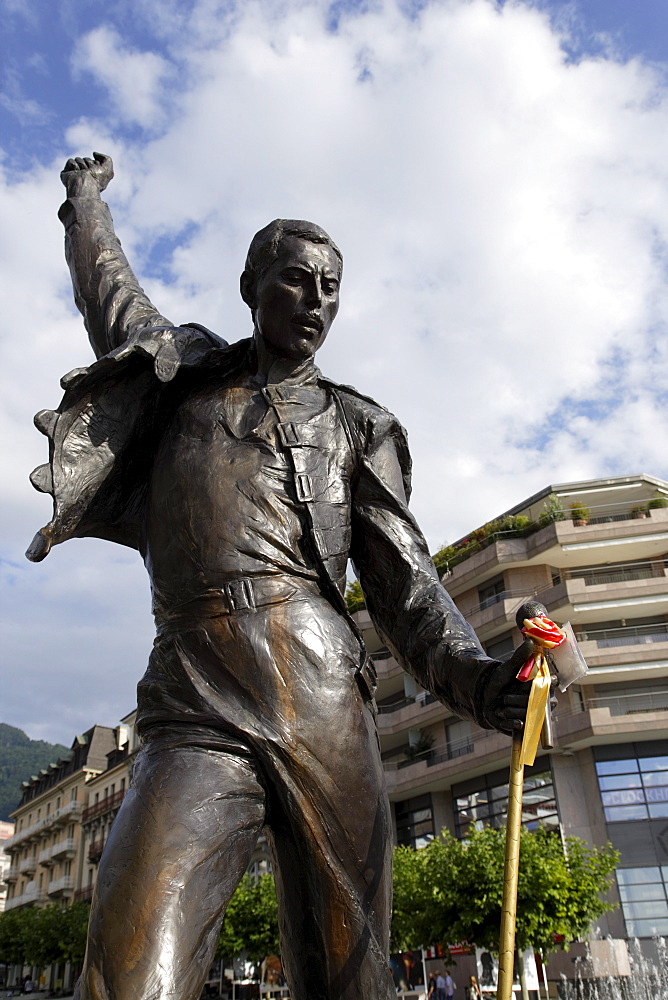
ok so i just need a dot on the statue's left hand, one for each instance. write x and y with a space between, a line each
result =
83 176
505 699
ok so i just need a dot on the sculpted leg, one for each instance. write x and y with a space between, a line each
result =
179 845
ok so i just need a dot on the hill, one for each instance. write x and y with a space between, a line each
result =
20 757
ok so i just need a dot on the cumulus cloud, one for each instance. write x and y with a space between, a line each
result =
503 213
134 79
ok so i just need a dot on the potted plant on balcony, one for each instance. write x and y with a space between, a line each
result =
579 514
657 503
638 512
421 749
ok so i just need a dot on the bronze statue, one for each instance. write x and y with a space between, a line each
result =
247 480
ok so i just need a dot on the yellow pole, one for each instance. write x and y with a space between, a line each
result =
511 872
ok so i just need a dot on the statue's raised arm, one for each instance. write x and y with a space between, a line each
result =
113 303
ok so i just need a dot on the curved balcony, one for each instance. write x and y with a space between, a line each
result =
63 886
30 897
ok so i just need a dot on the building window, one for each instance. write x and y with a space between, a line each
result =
644 896
415 821
491 593
458 738
486 802
75 792
634 789
501 647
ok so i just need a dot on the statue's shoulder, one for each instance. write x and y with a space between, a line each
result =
366 411
358 401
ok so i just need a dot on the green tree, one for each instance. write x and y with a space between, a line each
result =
13 936
42 936
251 921
451 890
355 597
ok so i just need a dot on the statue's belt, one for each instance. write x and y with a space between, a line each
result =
236 596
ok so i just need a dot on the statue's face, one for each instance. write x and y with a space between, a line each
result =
297 298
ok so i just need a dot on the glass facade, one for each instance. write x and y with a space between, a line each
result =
644 896
415 821
487 805
635 788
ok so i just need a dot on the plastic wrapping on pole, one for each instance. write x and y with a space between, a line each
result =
511 872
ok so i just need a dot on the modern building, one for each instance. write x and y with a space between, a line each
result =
596 554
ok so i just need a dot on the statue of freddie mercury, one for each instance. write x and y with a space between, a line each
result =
247 480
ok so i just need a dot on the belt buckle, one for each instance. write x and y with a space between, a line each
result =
239 595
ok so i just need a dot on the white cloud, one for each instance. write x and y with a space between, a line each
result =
503 214
134 79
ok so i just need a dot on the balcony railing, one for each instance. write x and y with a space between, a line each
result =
630 704
95 851
63 884
386 707
456 749
597 576
63 848
106 805
28 864
627 635
381 654
27 898
12 873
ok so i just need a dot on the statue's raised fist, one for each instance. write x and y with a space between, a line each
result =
83 175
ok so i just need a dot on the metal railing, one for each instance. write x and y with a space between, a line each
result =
625 635
630 704
381 654
106 805
385 708
594 576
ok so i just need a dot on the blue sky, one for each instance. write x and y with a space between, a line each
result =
496 175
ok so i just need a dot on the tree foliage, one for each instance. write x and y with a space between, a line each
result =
355 597
451 890
42 936
251 921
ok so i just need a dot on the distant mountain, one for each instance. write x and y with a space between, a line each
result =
20 757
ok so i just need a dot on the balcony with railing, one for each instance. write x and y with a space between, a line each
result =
71 810
45 857
440 766
640 536
385 664
12 874
30 897
598 719
95 849
24 836
409 713
106 805
64 848
28 865
63 886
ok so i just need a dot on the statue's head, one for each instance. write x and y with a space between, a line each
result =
291 285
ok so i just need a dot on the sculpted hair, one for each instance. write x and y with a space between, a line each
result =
263 250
